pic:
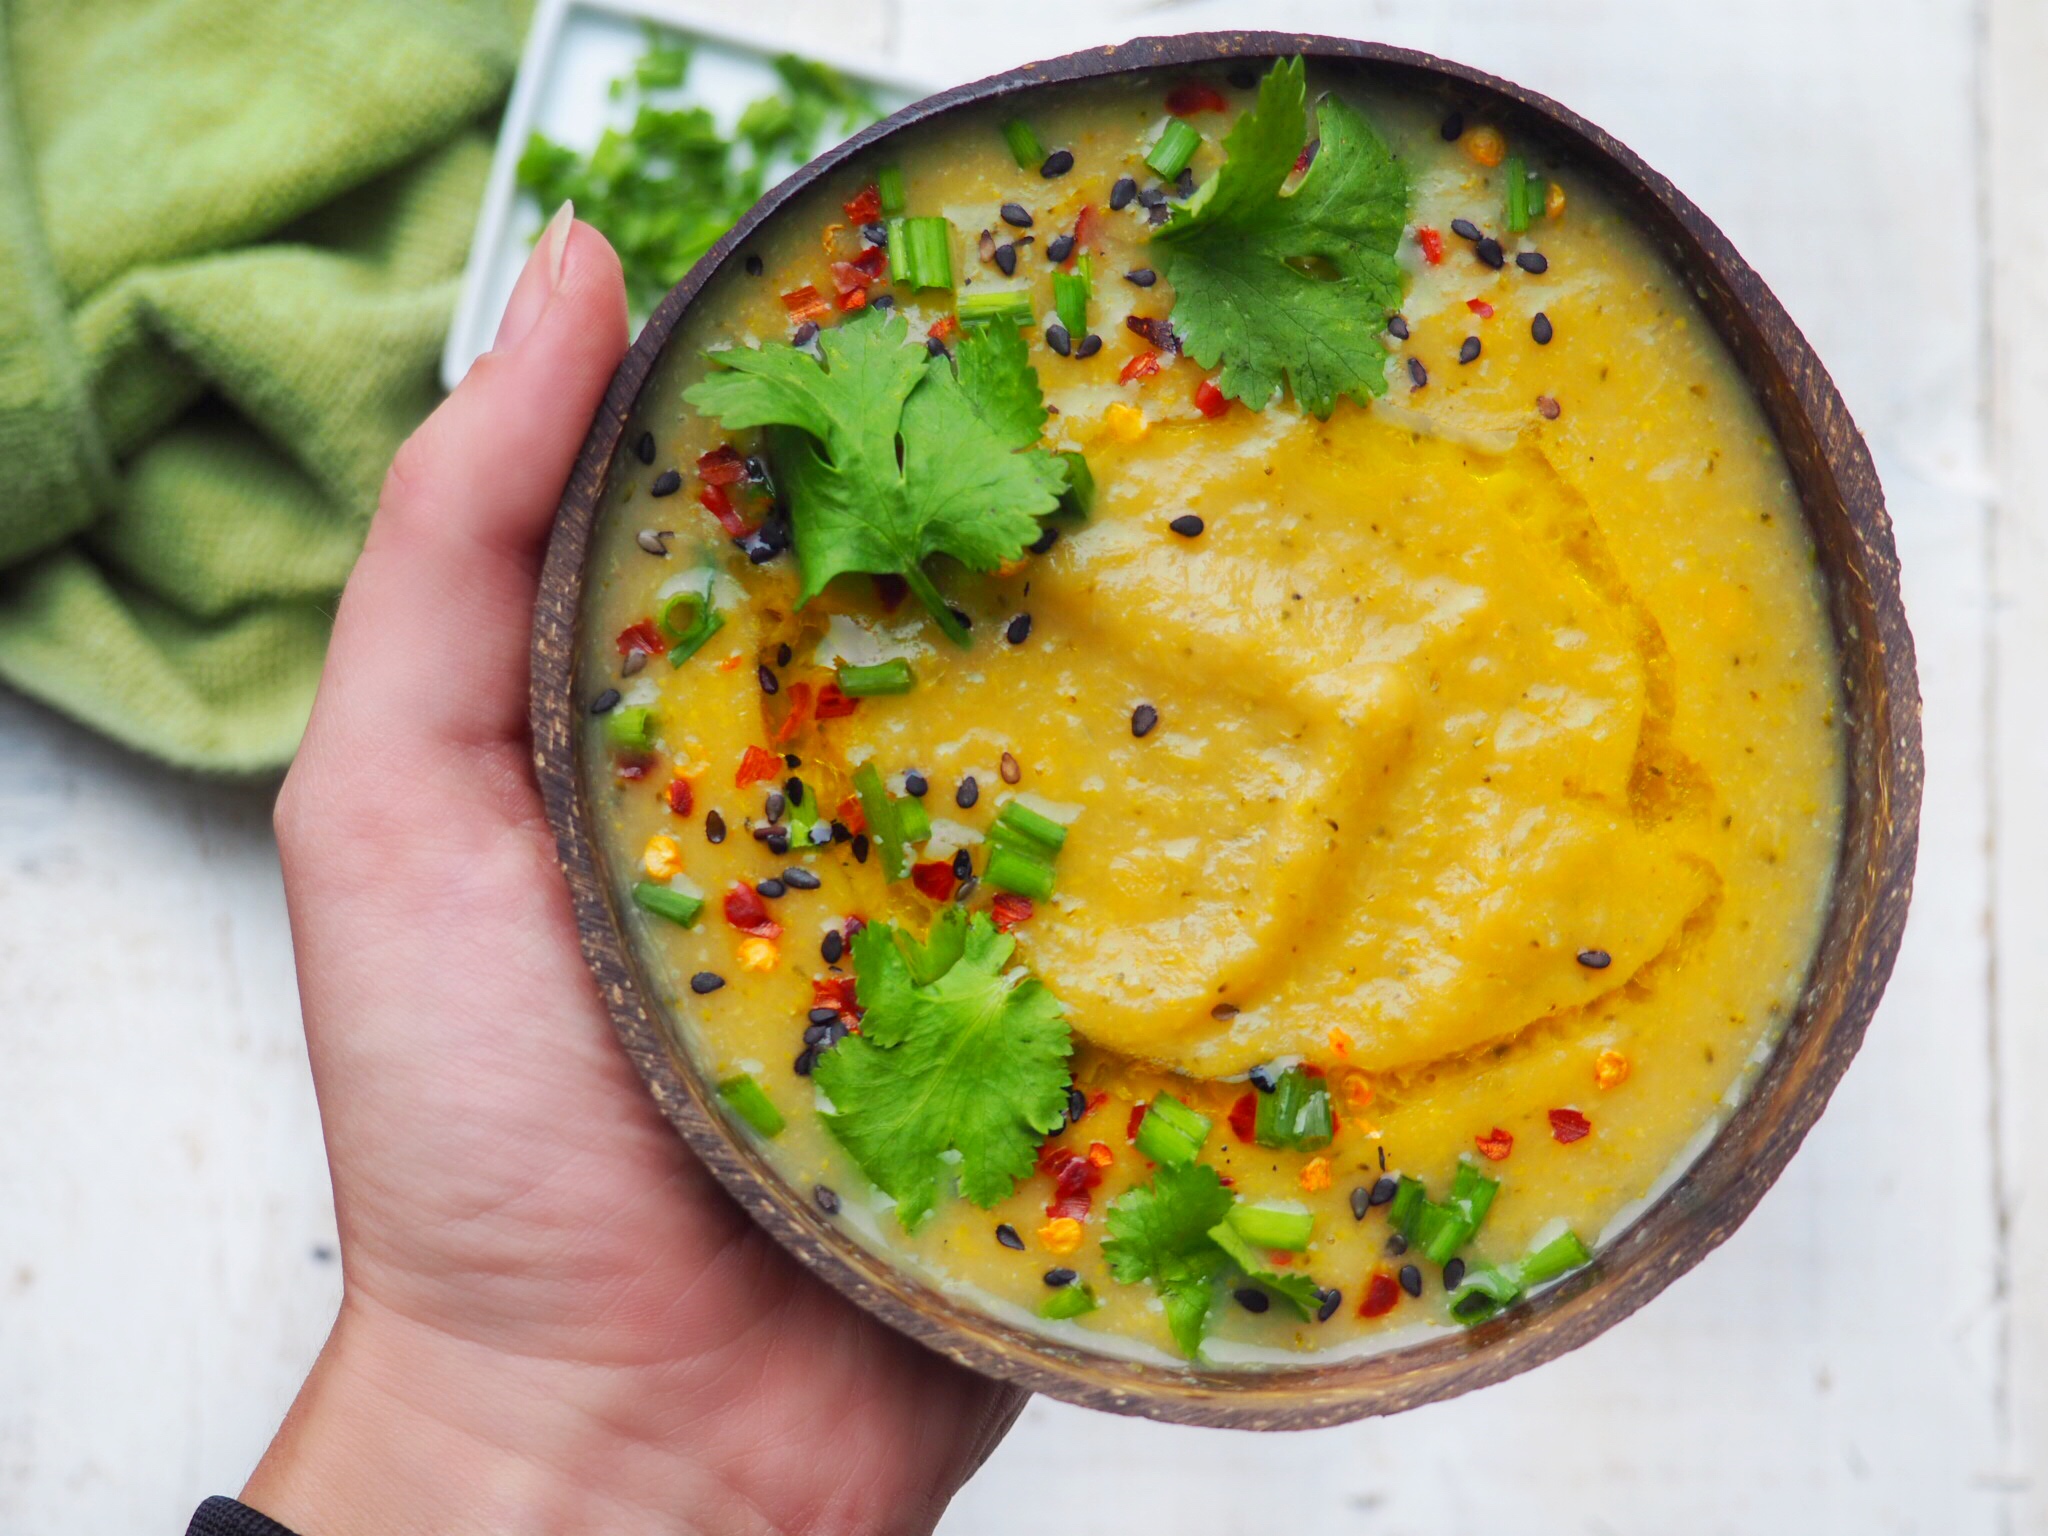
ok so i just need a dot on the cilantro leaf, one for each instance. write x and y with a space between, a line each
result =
888 456
1299 284
953 1056
1160 1232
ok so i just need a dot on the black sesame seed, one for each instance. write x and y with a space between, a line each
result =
837 832
1454 1274
1187 525
1143 277
1007 1236
1060 1276
833 947
768 681
1047 537
1059 248
827 1198
804 334
1417 374
776 803
1411 1279
1361 1202
782 655
817 1034
1016 215
1184 183
960 616
1152 197
1058 163
1534 262
806 1059
797 878
1264 1078
1121 194
1088 345
1018 630
1540 328
770 889
645 448
884 301
793 790
791 760
1396 1246
1077 1105
822 1015
1006 259
915 784
1332 1299
1143 718
859 845
1468 349
1056 337
755 266
1383 1191
967 793
1452 128
875 234
963 865
667 483
1465 229
777 841
935 347
1490 254
714 827
964 892
605 702
706 981
820 833
1397 327
1595 959
1251 1298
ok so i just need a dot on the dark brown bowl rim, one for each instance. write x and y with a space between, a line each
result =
1844 504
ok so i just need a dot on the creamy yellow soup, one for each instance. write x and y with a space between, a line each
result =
1475 761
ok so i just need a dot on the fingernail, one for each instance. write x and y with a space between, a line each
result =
556 241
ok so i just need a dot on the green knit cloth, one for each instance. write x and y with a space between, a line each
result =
230 232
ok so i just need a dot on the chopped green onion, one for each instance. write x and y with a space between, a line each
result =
1027 823
914 819
688 619
1176 147
1273 1226
630 729
1484 1291
1438 1229
1405 1210
1560 1255
803 815
1070 294
1012 304
1518 194
1171 1133
892 676
885 828
1024 145
895 197
1011 869
1296 1114
1078 499
921 252
664 902
751 1103
1076 1300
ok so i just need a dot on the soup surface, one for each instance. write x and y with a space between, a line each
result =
1213 710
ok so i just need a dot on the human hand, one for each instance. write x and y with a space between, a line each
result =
552 1317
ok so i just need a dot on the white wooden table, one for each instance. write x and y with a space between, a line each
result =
1868 1355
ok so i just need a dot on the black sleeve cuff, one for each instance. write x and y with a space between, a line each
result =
225 1517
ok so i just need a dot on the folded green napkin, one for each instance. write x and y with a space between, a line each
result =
230 232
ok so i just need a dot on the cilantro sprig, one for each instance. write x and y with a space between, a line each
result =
1274 283
889 456
954 1056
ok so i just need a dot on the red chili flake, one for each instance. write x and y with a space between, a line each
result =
1087 228
890 592
1154 331
836 992
633 767
1307 157
1137 1119
1480 308
1432 245
1187 100
722 466
1008 911
1495 1145
714 500
1244 1115
865 206
757 766
805 304
935 878
833 704
642 637
1143 366
1210 400
1382 1295
853 299
681 799
945 328
1072 1177
799 714
1099 1154
1310 1069
854 924
1568 1126
745 910
1279 1258
851 816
